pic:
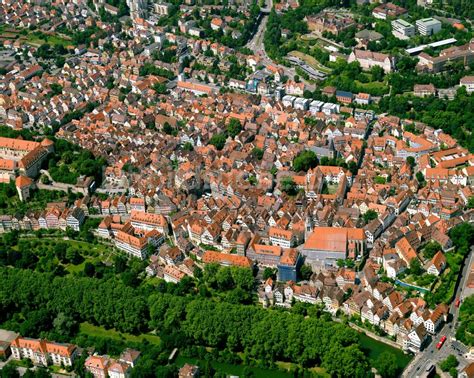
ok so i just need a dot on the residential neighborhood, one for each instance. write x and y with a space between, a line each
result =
292 158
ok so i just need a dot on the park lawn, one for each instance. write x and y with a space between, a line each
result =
153 281
51 39
95 331
57 370
332 188
374 86
98 248
231 369
309 37
375 348
89 248
311 61
71 268
320 372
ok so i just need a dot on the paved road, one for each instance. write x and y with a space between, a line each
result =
256 45
449 330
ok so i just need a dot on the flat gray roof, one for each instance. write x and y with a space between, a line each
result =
420 48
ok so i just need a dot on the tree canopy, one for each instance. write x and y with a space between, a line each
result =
304 161
55 304
218 141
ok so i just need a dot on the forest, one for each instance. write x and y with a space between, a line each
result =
38 299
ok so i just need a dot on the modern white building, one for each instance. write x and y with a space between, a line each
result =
428 26
402 29
315 106
330 108
288 100
301 103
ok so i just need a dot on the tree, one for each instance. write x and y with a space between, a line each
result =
56 89
89 269
218 141
288 185
348 362
252 180
269 273
411 161
73 256
463 237
305 272
352 166
420 178
304 161
465 332
380 180
377 73
197 322
386 365
188 146
449 363
224 279
234 127
210 273
160 88
243 278
415 267
9 371
120 264
257 153
470 202
64 324
169 130
370 215
430 249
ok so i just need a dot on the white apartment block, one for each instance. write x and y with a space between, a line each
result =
402 29
428 26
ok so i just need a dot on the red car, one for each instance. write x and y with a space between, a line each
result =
458 302
441 342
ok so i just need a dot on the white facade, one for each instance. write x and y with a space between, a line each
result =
402 29
428 26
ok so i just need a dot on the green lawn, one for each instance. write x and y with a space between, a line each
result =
332 188
238 370
90 248
309 37
45 38
37 38
374 349
373 86
95 331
